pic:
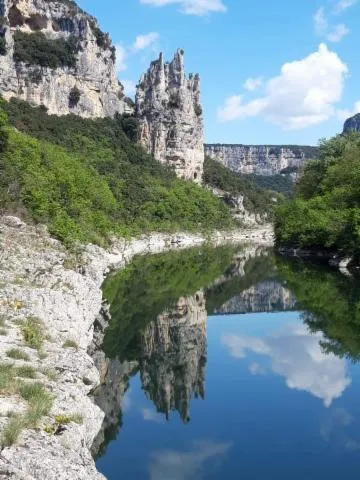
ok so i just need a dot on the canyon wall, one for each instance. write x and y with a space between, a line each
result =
54 54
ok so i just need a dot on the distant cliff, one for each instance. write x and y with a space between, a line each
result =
54 54
169 110
352 124
260 159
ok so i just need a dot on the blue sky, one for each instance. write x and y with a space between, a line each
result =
272 71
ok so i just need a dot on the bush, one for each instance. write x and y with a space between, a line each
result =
74 97
36 49
32 331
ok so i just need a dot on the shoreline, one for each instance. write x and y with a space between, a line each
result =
41 280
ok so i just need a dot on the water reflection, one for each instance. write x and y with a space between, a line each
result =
158 331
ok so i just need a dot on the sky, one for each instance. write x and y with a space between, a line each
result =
272 71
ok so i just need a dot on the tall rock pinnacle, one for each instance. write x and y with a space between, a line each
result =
168 107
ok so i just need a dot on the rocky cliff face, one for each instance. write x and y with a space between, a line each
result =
169 110
54 54
352 124
266 296
260 160
173 360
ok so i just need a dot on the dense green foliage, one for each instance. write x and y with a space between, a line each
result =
149 286
36 49
331 304
256 199
325 212
277 183
87 180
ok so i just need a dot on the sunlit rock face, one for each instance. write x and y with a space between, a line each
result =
88 87
352 124
266 296
173 359
258 159
168 107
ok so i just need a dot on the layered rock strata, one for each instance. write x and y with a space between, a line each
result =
169 110
54 54
259 159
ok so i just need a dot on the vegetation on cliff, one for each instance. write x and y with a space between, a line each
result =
256 199
87 180
325 211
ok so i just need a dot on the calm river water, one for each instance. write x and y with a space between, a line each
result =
230 363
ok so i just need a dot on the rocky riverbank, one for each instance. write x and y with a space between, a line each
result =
49 300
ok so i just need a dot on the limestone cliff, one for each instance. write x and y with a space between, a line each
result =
352 124
54 54
169 110
173 360
260 159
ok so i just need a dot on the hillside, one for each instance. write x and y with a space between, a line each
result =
88 180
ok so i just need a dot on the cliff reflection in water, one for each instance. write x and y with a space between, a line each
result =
159 307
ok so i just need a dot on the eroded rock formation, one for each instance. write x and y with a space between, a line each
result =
169 109
352 124
173 360
54 54
259 159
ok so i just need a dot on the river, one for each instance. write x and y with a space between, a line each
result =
230 363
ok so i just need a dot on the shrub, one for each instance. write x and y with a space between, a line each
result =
37 49
32 331
74 97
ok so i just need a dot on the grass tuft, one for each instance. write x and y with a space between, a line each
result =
33 332
40 402
7 374
17 354
70 344
25 372
3 332
12 430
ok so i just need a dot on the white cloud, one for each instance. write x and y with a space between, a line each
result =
252 84
345 114
323 28
296 355
256 369
191 7
338 33
151 416
175 465
126 402
129 87
144 41
304 94
321 23
343 5
121 55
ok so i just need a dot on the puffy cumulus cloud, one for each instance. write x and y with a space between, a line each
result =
145 41
252 84
296 355
121 55
179 465
304 94
191 7
345 114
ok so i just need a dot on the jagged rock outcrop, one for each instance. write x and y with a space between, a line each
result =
266 296
172 365
352 124
54 54
260 159
169 110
